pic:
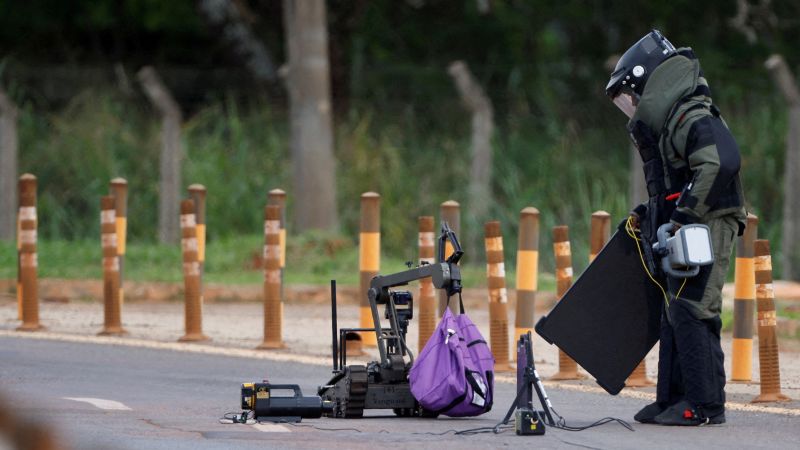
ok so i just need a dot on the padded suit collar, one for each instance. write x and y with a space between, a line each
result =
674 79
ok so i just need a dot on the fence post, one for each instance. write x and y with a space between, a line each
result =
479 185
744 304
112 320
171 152
498 295
567 367
450 212
278 197
9 164
273 304
790 229
9 191
19 267
28 259
527 270
119 189
427 299
768 355
369 258
193 306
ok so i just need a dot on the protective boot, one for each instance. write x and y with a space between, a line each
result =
649 412
684 414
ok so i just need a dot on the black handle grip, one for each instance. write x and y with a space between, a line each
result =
287 387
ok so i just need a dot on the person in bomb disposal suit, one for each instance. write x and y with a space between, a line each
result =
691 165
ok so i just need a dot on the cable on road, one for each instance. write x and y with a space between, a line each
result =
501 427
299 425
234 417
561 423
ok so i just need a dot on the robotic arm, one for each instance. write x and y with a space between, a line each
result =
445 275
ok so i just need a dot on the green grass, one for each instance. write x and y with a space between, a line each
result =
727 319
567 168
793 314
311 259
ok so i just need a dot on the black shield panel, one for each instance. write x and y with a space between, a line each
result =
610 318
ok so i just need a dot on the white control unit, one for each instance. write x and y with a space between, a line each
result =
684 252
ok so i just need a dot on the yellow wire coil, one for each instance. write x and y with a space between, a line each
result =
632 233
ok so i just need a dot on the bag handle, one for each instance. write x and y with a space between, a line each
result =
460 302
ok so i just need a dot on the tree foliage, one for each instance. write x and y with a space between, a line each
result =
559 143
531 51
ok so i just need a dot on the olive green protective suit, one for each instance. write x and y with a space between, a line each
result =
687 148
700 160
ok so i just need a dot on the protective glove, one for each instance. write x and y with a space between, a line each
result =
634 219
636 215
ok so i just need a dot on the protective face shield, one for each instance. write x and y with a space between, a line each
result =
626 103
634 68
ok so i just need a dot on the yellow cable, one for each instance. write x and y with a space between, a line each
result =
632 233
678 295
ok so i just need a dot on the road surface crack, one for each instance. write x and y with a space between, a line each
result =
170 428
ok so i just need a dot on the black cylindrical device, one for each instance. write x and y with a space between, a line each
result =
266 400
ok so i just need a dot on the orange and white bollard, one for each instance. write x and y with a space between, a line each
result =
527 270
119 189
193 306
28 258
369 259
450 212
273 304
498 295
768 354
112 311
197 192
599 233
278 197
744 304
427 299
567 367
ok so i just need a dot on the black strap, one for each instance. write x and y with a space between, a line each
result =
687 52
460 302
476 388
453 404
476 342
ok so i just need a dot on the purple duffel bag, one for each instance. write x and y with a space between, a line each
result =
454 374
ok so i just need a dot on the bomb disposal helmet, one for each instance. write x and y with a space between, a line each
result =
634 68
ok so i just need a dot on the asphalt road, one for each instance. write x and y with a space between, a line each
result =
174 401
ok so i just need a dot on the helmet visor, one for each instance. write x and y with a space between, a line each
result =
625 103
